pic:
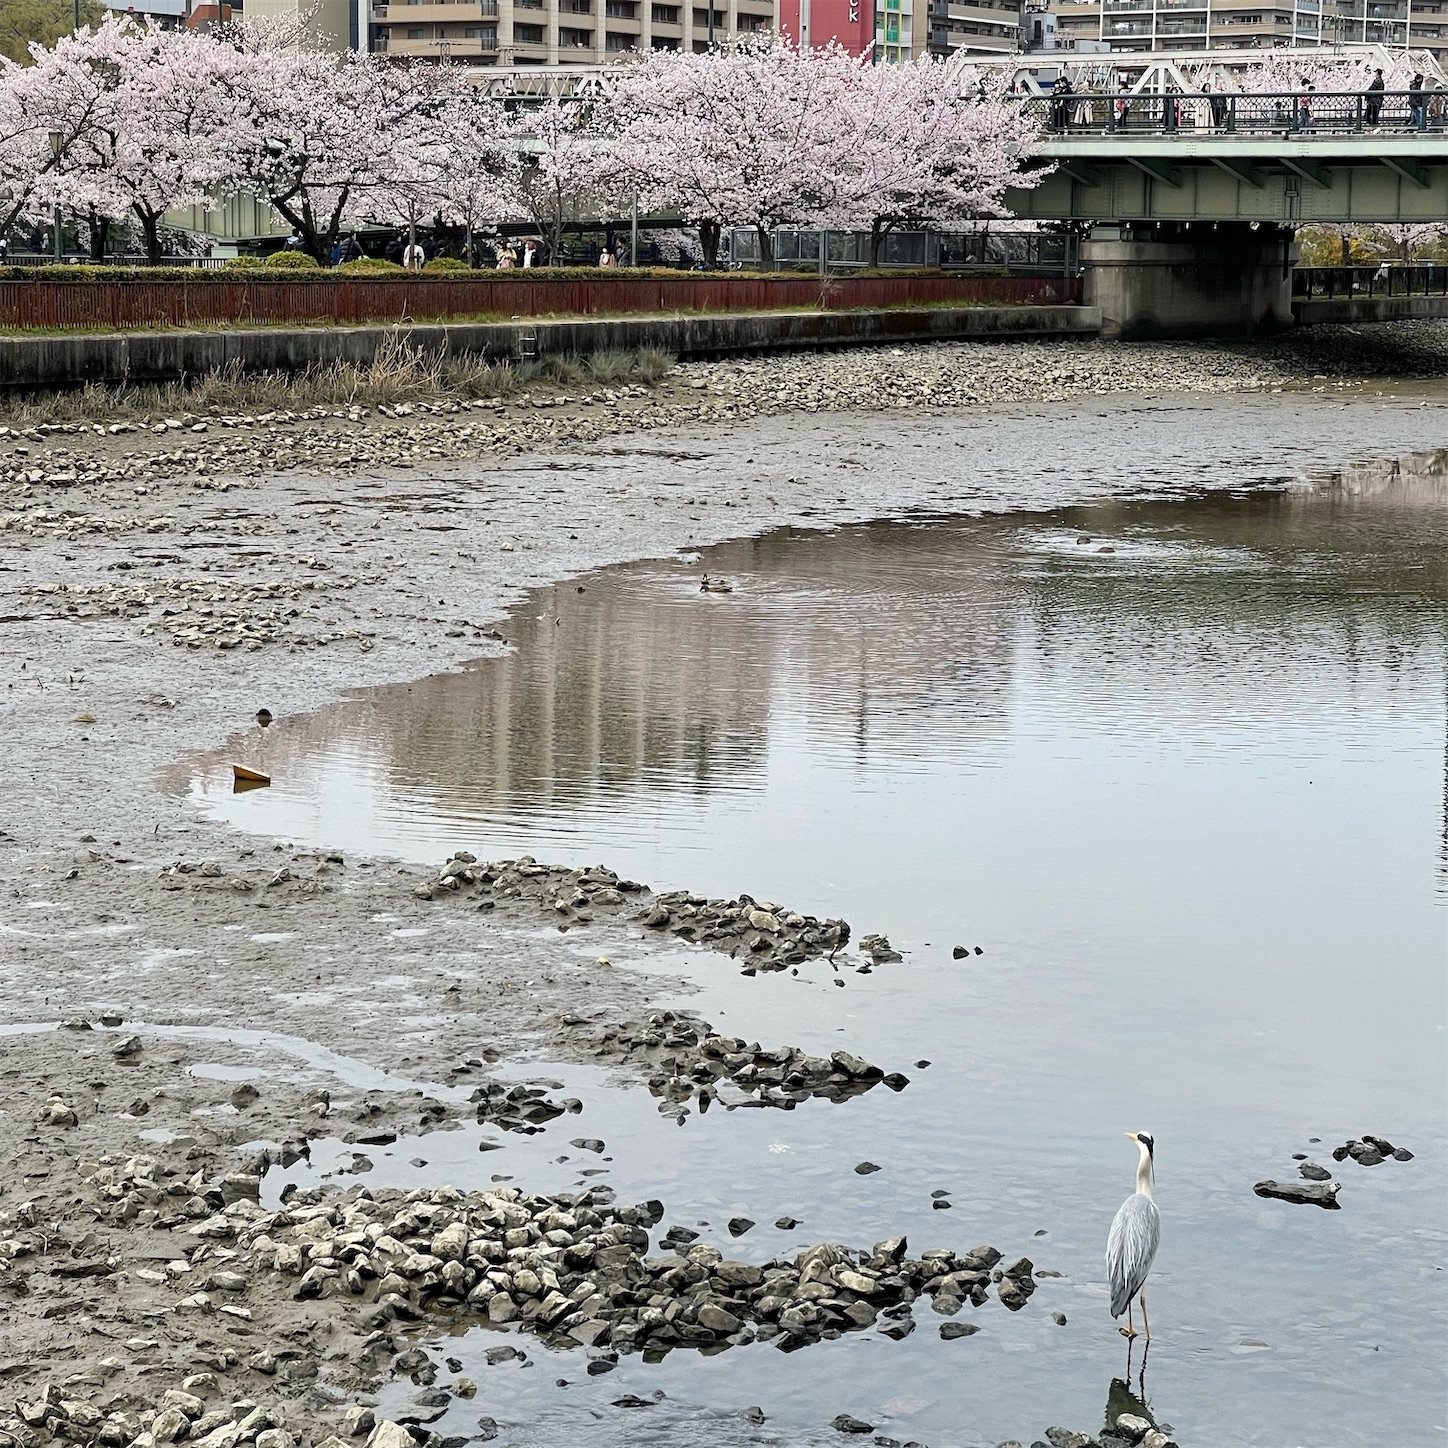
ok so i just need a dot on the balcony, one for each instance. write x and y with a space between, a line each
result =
987 17
440 12
459 49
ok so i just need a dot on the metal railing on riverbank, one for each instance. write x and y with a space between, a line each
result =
1304 112
1427 280
37 258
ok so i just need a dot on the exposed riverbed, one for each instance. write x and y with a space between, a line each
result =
1185 795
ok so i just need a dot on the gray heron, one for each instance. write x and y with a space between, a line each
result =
1131 1246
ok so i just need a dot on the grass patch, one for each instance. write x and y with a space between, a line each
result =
397 372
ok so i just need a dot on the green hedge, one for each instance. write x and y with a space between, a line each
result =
370 266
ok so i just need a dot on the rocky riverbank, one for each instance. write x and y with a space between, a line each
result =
185 1011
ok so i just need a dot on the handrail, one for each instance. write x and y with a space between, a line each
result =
1423 279
1302 112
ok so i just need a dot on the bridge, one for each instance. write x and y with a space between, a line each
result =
1293 159
1193 197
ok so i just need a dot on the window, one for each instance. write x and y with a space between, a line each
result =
414 32
660 43
528 34
666 14
618 42
485 35
574 39
576 7
620 9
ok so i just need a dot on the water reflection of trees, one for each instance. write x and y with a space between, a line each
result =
887 642
875 636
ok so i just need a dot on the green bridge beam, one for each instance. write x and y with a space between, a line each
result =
1292 179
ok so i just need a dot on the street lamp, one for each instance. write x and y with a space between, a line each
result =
55 141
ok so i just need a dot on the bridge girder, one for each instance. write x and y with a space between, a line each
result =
1291 180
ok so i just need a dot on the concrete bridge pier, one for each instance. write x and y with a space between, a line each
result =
1190 279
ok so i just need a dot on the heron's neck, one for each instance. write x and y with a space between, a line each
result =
1143 1171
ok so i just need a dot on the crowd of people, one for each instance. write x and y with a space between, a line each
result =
1077 106
413 253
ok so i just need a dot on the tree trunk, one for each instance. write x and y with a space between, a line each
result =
469 244
877 240
710 234
1346 241
100 234
766 248
1405 251
150 234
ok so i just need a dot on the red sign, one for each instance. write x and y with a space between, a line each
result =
817 22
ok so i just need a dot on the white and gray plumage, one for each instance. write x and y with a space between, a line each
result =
1131 1246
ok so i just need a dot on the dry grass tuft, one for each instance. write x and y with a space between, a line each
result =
397 372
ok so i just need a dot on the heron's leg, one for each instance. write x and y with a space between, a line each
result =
1144 1322
1129 1331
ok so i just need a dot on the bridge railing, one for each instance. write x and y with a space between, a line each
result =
1303 112
1427 280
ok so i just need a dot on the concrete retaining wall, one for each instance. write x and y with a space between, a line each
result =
1312 311
71 361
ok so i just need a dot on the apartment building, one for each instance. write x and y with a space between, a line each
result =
555 32
1244 25
973 27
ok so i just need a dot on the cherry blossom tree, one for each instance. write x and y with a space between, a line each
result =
1401 240
481 184
746 134
322 138
46 109
763 133
568 165
154 144
460 163
931 146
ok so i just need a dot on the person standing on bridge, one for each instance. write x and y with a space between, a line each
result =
1061 94
1417 104
1373 105
1304 106
1218 104
1204 112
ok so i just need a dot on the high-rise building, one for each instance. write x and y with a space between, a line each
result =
331 24
851 23
895 37
556 32
1254 24
981 27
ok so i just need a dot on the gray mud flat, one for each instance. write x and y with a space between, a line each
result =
194 1017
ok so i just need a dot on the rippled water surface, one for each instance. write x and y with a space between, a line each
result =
1176 764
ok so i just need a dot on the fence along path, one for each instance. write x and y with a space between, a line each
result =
211 300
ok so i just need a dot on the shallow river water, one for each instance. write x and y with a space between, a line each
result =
1175 763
